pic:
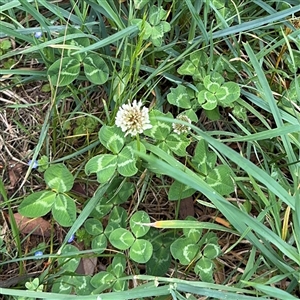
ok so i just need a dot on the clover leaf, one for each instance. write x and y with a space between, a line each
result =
156 26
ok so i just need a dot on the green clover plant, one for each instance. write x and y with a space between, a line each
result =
199 249
122 159
161 258
155 27
70 282
112 277
210 90
65 70
204 163
164 138
140 249
60 181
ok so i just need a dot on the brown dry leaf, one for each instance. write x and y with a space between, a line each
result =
79 189
15 170
87 266
37 226
186 208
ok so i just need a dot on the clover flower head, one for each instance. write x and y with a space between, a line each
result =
34 165
132 118
180 128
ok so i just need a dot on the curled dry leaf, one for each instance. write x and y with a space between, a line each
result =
186 208
15 170
87 266
37 226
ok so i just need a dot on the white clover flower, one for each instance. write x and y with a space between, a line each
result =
180 128
132 118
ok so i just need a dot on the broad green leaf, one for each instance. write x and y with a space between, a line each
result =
158 32
85 125
178 143
112 138
144 27
179 97
69 263
199 58
190 113
64 210
120 285
204 268
292 93
211 86
207 99
37 204
137 146
179 191
240 112
118 265
99 243
101 210
136 227
110 227
217 78
102 281
93 226
5 44
159 263
64 71
292 61
127 189
193 234
77 44
126 162
156 14
121 238
210 238
163 146
82 285
188 68
184 250
203 159
141 251
119 216
104 165
211 251
216 92
139 4
62 285
195 65
219 179
230 92
159 129
95 69
59 178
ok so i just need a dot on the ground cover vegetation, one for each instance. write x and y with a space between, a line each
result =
149 149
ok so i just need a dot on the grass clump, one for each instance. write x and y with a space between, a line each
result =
149 149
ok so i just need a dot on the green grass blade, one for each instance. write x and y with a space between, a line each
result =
240 220
111 39
266 91
245 164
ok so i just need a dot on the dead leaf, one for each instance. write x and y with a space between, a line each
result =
87 266
15 170
79 189
186 208
37 226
